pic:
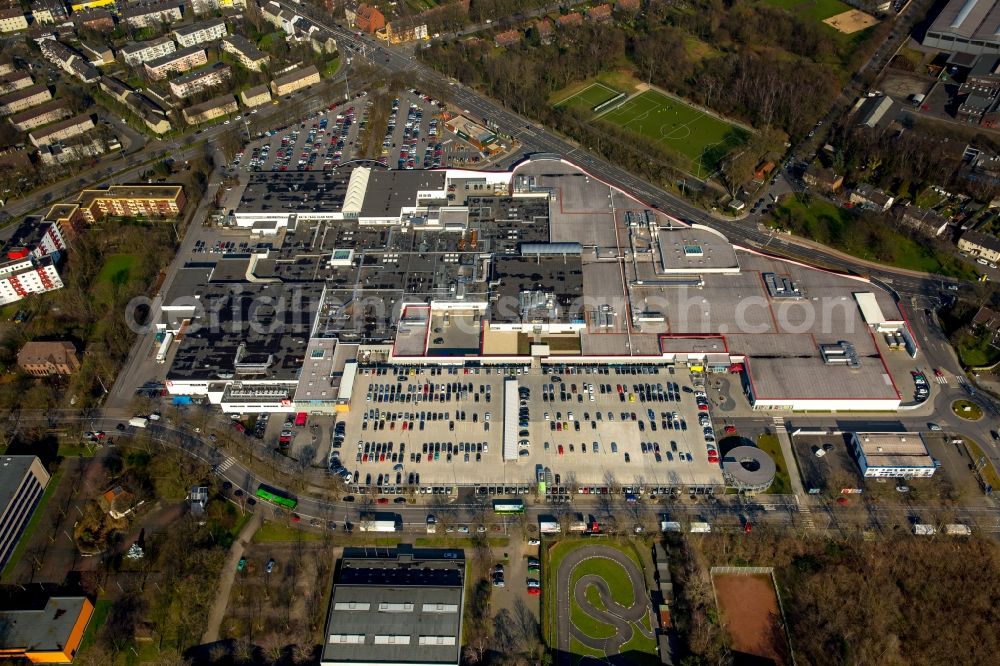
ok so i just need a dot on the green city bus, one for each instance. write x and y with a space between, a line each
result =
275 496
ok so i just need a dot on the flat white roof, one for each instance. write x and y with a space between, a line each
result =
510 420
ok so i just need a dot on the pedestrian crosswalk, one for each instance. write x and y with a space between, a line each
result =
779 424
941 379
225 464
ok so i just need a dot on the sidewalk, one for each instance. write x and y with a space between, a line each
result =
214 622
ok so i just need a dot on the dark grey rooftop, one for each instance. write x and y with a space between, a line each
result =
247 331
42 629
396 607
388 192
12 471
288 193
560 276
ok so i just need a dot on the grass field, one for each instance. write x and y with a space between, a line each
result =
989 472
845 231
590 97
614 575
967 410
782 484
700 138
116 269
277 532
814 9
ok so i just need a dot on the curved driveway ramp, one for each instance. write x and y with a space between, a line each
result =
625 621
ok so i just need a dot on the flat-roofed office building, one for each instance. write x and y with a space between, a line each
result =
22 482
401 607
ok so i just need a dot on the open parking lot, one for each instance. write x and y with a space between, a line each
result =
583 429
320 142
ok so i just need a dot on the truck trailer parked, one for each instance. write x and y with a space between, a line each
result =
549 525
138 421
379 522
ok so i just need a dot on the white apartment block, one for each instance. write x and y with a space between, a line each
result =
139 52
198 33
179 61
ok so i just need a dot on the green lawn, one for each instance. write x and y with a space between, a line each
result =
967 410
700 138
782 484
588 625
590 97
581 650
865 237
269 532
97 620
29 529
116 269
616 577
989 472
818 10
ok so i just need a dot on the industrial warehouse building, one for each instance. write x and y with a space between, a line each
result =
22 482
892 454
966 26
401 607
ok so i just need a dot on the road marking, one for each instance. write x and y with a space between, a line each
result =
225 464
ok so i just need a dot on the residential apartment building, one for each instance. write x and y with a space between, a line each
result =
153 15
198 33
42 114
866 196
210 110
297 79
246 52
200 79
409 29
255 96
62 130
22 483
208 6
14 81
163 201
822 178
68 59
97 54
137 53
28 275
367 19
46 358
507 38
12 20
91 4
100 20
19 100
599 14
179 61
49 12
980 245
46 630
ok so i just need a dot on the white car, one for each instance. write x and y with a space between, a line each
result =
534 542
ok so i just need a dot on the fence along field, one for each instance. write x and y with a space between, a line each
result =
593 98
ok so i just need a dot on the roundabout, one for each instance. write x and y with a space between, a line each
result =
603 609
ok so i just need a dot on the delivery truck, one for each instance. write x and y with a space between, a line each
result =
138 421
379 522
549 525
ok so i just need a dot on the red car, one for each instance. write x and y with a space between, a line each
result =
296 518
534 591
382 500
239 427
730 429
560 449
938 373
300 419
